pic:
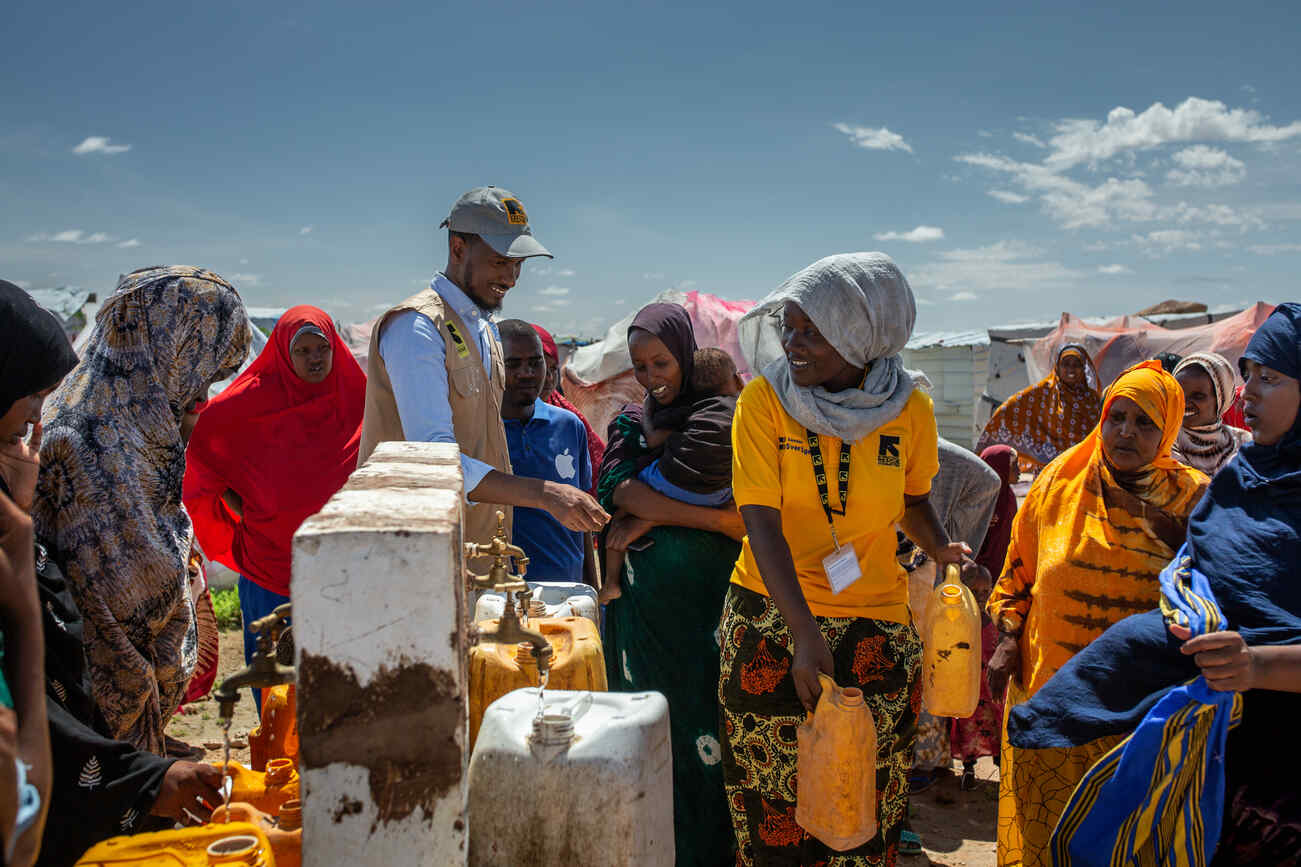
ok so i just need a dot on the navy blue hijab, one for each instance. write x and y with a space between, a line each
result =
1245 536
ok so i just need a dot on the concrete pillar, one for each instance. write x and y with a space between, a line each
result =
379 614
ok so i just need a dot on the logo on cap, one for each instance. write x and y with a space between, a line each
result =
515 212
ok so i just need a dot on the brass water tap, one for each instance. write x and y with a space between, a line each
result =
509 629
264 670
500 550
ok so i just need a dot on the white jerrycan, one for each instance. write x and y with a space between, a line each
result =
561 598
589 781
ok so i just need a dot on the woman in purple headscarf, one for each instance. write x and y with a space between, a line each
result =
660 631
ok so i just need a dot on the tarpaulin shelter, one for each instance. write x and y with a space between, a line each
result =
598 377
1121 342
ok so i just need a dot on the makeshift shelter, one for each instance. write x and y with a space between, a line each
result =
957 364
1118 343
73 306
598 378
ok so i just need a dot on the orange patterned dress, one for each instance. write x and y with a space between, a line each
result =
1079 561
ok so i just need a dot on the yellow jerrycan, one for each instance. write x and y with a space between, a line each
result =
577 663
265 791
276 735
951 642
836 784
283 831
237 844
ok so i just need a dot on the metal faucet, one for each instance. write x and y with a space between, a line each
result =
263 671
509 629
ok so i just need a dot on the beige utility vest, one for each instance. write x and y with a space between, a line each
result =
475 398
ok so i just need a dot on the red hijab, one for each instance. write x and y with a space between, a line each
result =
283 444
595 445
994 550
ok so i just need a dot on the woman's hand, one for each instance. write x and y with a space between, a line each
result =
811 657
20 463
730 522
957 553
189 793
1003 664
625 530
1226 661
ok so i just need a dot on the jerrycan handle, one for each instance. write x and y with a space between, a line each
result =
952 574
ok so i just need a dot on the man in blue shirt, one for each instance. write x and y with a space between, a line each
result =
549 443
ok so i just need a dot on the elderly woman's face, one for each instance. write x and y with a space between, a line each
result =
1070 369
811 357
655 367
1199 397
1130 438
1271 401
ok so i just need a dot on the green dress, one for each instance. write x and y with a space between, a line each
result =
661 635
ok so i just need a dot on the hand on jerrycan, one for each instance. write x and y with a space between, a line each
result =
836 782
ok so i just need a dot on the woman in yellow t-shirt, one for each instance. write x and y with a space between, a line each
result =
833 446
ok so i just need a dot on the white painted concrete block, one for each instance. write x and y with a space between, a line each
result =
379 614
415 453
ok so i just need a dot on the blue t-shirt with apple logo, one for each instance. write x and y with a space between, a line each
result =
552 445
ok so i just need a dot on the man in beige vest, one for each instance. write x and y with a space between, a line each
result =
436 372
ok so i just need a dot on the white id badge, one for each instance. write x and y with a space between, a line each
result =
841 567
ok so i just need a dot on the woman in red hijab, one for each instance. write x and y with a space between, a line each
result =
270 450
551 394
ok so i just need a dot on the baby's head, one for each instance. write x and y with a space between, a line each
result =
715 374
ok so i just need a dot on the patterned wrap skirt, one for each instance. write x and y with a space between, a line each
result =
761 713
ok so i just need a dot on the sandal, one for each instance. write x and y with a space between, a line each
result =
910 843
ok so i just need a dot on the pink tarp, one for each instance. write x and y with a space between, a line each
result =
1126 340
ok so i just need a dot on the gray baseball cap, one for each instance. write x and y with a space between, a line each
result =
498 217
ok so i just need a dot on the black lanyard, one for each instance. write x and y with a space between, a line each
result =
820 476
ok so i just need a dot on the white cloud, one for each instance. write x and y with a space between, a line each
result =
70 236
566 272
1008 197
963 296
129 243
874 139
1194 119
22 284
98 144
1029 139
1274 249
925 302
921 234
555 291
1202 166
1095 246
245 279
1168 241
1001 266
1071 203
243 261
1115 269
305 230
984 133
653 275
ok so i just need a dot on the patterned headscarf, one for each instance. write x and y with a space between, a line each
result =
1047 418
108 500
1209 447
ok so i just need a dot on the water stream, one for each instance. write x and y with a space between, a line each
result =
227 784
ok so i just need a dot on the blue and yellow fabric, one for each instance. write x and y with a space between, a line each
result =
1159 795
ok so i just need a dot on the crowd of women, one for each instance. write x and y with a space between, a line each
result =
1142 498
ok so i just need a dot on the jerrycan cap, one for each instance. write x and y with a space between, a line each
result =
554 729
236 849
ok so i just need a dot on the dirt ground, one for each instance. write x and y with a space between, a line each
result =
956 827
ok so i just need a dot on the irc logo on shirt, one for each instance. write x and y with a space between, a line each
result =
887 454
458 341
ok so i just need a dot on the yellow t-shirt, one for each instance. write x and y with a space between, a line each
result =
772 466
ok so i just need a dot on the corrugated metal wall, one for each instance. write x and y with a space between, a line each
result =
957 375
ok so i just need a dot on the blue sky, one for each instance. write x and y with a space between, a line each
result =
1017 160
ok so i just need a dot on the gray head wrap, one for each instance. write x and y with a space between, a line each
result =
865 308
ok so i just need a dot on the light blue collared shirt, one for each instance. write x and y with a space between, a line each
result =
415 355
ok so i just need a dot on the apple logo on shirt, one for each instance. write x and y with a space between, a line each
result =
565 465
